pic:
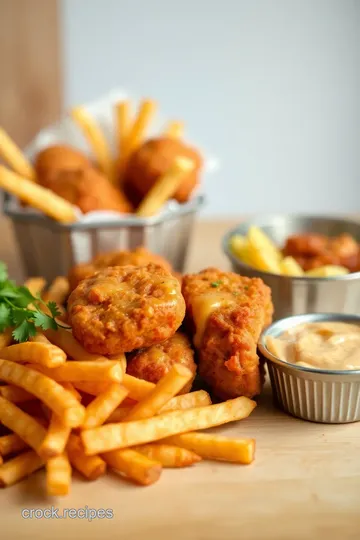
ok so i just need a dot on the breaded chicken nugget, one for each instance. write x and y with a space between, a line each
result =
226 314
153 363
123 308
152 160
139 256
88 189
53 159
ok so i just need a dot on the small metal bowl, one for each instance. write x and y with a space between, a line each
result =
318 395
296 295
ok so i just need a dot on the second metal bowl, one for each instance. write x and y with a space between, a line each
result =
296 295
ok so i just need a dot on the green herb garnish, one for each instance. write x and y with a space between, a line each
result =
216 284
22 311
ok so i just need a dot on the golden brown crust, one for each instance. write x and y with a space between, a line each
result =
228 359
154 363
139 256
152 160
121 309
58 158
88 189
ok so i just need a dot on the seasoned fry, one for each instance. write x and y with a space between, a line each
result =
89 466
15 394
12 154
216 447
134 465
37 196
169 456
19 467
55 439
103 405
47 390
32 352
5 338
58 475
114 436
138 388
107 370
175 129
22 424
9 444
167 387
66 341
58 291
165 187
35 285
95 138
191 400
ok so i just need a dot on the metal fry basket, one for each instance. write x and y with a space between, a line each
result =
50 249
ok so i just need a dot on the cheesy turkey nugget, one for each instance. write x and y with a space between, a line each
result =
139 256
152 160
88 189
123 308
154 363
226 314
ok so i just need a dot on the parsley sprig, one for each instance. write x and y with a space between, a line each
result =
22 311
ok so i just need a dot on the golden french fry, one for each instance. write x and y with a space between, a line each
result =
58 475
70 387
107 370
94 388
239 246
210 446
5 338
44 388
37 196
56 438
58 291
136 132
138 388
122 435
103 405
165 187
89 466
35 285
15 394
134 465
1 460
167 388
200 398
263 252
9 444
290 267
22 424
331 270
66 341
19 467
168 455
175 129
12 154
123 125
40 338
96 139
121 358
32 352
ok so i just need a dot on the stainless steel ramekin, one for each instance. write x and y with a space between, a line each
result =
318 395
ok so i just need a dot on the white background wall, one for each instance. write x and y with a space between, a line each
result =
271 87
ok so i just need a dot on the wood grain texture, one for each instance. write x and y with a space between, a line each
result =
304 483
30 63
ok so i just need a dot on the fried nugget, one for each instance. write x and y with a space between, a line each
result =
139 256
123 308
88 189
53 159
154 363
226 314
152 160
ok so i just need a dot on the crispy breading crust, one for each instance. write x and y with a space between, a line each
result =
228 360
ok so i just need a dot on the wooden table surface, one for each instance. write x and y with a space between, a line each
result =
304 483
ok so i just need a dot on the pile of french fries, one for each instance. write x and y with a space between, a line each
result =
66 409
257 250
21 180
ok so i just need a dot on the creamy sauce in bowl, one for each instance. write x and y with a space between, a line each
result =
320 345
